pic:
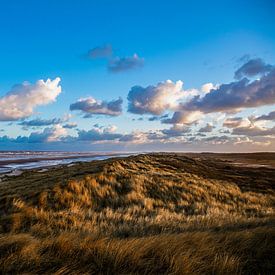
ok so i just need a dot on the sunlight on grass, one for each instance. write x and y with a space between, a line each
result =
137 215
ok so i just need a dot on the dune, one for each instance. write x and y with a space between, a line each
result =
160 213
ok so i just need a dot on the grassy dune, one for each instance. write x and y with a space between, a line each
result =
147 214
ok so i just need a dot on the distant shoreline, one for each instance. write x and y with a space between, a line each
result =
15 161
9 165
26 160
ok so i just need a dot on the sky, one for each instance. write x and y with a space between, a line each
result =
137 75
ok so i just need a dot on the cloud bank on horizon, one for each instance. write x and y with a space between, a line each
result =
203 118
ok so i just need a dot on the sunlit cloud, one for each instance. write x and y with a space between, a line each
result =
21 101
155 100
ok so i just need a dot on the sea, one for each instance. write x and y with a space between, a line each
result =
13 161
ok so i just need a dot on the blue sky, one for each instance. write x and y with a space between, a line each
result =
196 42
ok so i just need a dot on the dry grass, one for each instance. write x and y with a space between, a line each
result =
149 214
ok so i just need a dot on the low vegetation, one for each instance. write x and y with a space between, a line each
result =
146 214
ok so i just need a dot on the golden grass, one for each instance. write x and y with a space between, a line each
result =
149 214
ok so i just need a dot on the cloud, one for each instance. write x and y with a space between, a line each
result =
53 134
58 133
70 125
247 127
235 96
190 105
224 131
90 106
38 122
156 118
115 64
134 138
23 98
235 122
139 137
166 96
207 87
207 129
99 134
253 131
184 117
155 99
243 59
178 137
176 130
253 68
270 116
247 140
104 51
120 64
174 134
217 140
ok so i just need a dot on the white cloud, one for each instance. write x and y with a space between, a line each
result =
207 87
184 117
155 99
21 101
53 134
